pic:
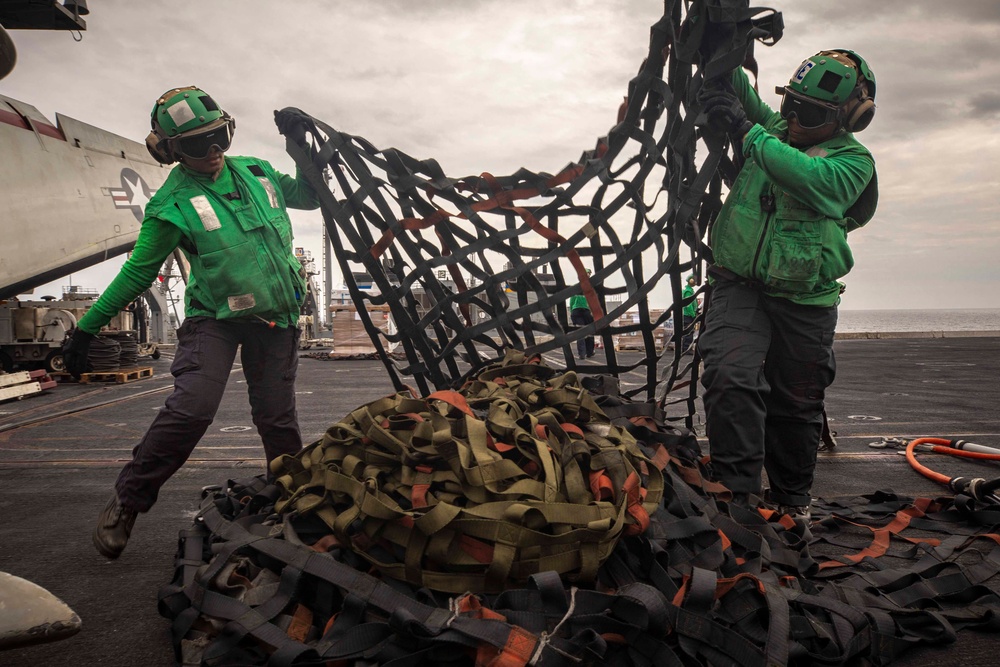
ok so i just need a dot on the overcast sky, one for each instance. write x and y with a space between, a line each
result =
495 85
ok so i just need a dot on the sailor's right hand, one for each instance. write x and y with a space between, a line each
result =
75 351
723 110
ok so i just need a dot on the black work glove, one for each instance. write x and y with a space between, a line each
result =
293 123
723 110
75 351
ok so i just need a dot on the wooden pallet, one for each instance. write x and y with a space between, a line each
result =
24 383
121 376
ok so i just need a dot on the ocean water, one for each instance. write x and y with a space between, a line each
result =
979 319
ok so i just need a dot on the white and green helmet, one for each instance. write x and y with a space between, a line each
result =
835 85
184 110
188 122
826 76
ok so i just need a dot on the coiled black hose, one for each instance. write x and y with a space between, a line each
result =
129 343
105 353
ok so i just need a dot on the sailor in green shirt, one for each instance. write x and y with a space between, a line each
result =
228 215
580 315
690 314
779 247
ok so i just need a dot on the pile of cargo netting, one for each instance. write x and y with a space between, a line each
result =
524 520
506 512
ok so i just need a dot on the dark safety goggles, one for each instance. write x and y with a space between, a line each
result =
808 112
198 146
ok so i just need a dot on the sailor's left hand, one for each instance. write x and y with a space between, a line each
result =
293 123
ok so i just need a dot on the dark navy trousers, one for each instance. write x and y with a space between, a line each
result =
206 350
582 317
768 363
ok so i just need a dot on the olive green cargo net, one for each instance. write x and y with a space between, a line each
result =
518 473
470 267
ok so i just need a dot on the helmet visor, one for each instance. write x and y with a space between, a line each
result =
808 112
198 146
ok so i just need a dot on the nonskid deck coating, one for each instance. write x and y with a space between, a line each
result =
57 473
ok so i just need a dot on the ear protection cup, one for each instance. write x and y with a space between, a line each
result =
861 114
157 147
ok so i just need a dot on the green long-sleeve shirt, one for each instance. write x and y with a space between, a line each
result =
785 221
829 185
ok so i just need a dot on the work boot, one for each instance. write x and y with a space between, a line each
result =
113 528
796 511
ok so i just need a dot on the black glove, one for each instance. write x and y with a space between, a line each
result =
75 351
723 110
293 123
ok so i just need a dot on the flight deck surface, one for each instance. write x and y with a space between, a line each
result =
57 469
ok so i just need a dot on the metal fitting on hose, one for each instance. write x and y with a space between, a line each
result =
989 488
977 487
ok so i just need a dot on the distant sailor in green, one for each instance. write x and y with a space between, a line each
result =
780 246
690 313
228 215
580 315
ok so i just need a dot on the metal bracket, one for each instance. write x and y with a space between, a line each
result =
889 443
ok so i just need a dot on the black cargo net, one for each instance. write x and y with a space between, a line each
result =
525 513
475 265
521 519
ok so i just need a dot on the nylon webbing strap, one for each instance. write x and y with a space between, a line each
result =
353 558
274 593
475 265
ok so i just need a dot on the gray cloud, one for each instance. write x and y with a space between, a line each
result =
490 86
981 10
985 104
885 11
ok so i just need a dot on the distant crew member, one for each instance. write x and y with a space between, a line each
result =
780 245
228 215
690 314
580 315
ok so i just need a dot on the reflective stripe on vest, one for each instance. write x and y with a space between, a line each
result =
209 218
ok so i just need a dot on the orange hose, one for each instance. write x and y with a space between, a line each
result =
961 452
922 469
941 446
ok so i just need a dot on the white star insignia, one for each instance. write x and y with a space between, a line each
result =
136 196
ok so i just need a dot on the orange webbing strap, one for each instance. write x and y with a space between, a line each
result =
452 398
517 652
881 537
301 623
504 199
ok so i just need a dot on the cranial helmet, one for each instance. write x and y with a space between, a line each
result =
831 85
187 122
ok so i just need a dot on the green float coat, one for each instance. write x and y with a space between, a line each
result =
690 310
798 250
240 249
